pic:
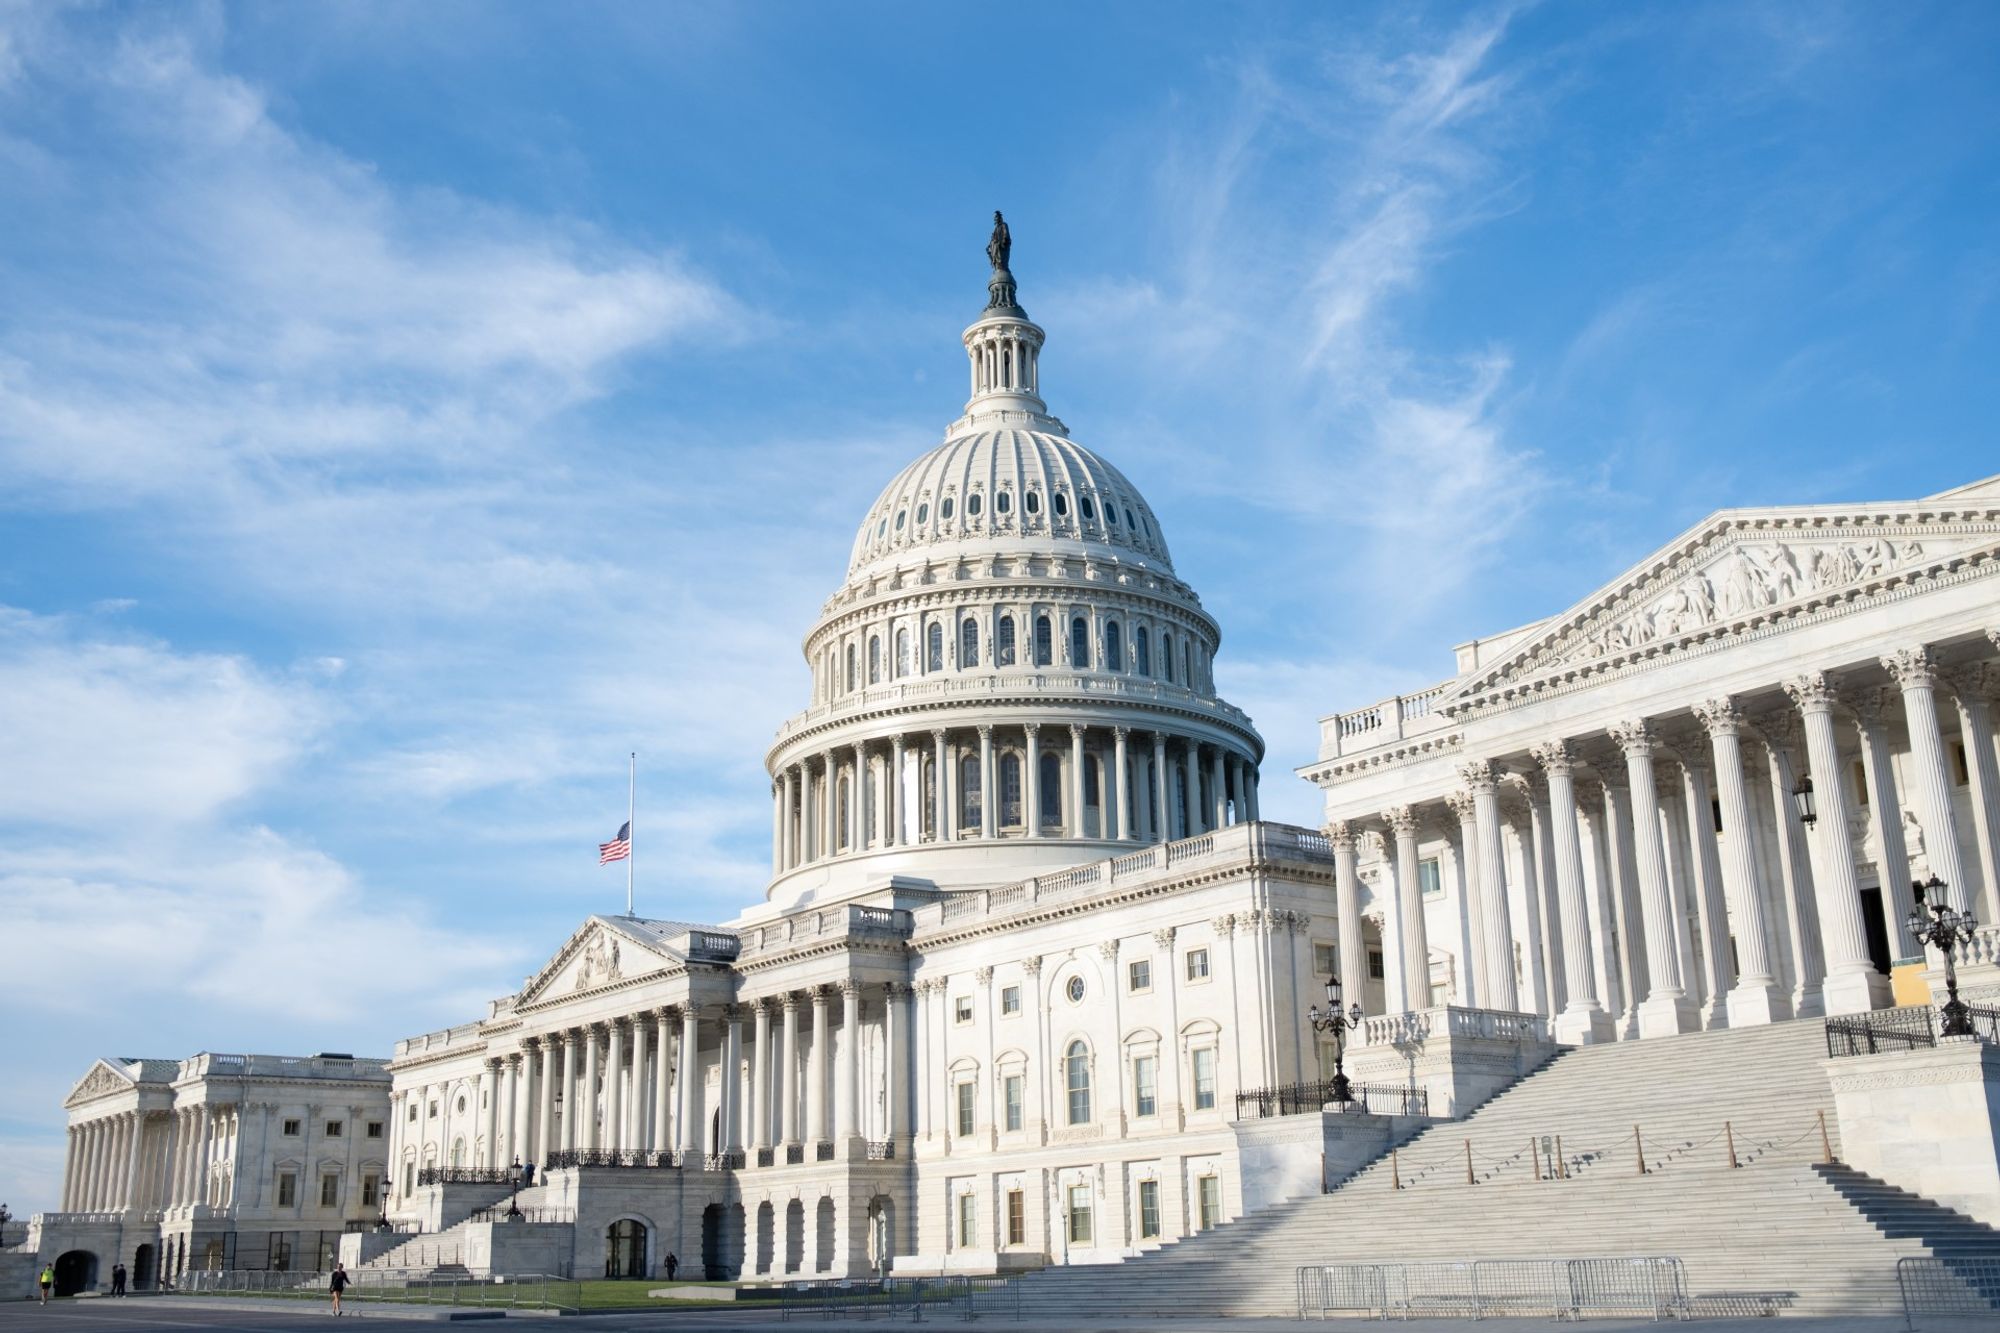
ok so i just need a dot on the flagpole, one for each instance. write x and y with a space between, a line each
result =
631 803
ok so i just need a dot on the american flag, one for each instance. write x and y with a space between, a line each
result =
619 848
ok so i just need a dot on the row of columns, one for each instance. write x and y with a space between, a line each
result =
1626 944
1174 787
138 1159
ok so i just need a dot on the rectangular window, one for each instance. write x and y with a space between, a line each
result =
329 1191
1139 975
374 1129
288 1189
371 1191
434 1111
333 1129
1145 1093
409 1179
1204 1079
1079 1214
1429 876
1197 965
412 1116
1326 961
961 1009
291 1129
1010 1000
1208 1189
1149 1209
1017 1218
968 1219
1375 972
1013 1090
965 1109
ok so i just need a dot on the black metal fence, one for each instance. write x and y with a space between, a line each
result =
632 1157
1961 1287
1305 1098
465 1175
1911 1027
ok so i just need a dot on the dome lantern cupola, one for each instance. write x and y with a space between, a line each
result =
1004 345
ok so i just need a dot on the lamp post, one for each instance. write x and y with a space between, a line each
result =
1804 802
1945 929
1338 1023
513 1200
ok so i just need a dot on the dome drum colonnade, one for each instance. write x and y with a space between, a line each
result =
1061 690
1643 946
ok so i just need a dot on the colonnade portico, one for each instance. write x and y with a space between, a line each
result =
1046 779
1669 855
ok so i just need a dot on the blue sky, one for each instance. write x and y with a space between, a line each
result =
407 410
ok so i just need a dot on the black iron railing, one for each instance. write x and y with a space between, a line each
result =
795 1153
465 1175
883 1150
634 1157
1911 1027
826 1152
766 1156
502 1214
723 1161
1301 1098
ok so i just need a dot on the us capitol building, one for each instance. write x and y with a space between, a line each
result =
1029 965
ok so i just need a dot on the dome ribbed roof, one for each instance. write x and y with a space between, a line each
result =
983 491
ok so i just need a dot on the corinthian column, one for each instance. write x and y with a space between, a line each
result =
1122 797
988 807
1885 811
1852 983
690 1081
850 1064
1975 731
1780 731
1916 676
1583 1020
614 1081
1031 780
1667 1009
1347 914
1163 826
1472 990
940 789
1410 910
1495 922
816 1073
785 1088
1710 907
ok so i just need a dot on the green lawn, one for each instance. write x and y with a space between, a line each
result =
628 1293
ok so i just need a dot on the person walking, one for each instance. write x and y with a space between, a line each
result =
48 1281
118 1279
337 1283
673 1265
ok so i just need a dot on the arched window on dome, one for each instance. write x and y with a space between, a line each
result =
1076 1080
902 652
1003 502
1079 644
972 504
1051 790
968 792
1142 656
1062 505
1187 677
1114 647
1045 642
1094 825
1003 642
968 643
1089 509
1010 790
1167 656
874 659
1033 500
944 510
934 647
842 809
853 682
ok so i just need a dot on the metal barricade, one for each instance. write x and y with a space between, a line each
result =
1951 1288
1326 1289
1653 1285
1482 1288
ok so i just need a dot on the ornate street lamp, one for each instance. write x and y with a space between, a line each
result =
1338 1023
1802 801
513 1205
1945 929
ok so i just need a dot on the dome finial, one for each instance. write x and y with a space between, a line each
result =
1000 287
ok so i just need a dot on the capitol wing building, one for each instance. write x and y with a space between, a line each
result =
1028 985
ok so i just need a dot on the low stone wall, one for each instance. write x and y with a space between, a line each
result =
1925 1121
20 1273
1286 1157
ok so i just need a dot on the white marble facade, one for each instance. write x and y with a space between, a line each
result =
1025 938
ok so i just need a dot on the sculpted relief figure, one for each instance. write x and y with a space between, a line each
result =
599 963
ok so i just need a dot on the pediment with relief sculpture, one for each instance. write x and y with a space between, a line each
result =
597 955
1744 569
102 1080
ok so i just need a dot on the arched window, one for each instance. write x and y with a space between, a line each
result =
1051 789
1079 644
968 792
1089 509
1114 647
1062 505
945 508
874 659
934 647
1003 502
852 682
972 503
1142 657
1034 502
1010 790
1167 655
842 807
968 643
1003 642
1045 646
1095 825
923 514
1076 1078
1187 675
902 652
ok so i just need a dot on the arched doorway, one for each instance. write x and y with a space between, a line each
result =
143 1261
795 1236
625 1248
722 1242
76 1270
767 1237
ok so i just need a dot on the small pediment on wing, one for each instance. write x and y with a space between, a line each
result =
103 1079
1744 568
598 954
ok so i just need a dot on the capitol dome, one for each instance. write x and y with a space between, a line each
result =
1011 678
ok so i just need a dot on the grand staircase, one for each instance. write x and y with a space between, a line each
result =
1781 1229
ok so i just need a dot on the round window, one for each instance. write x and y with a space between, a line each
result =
1034 502
944 510
1089 509
972 506
899 520
1076 990
1062 505
923 514
881 527
461 1105
1003 502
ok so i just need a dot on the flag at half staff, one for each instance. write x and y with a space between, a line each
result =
618 849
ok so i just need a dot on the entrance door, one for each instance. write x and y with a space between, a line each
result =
625 1249
142 1268
76 1270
